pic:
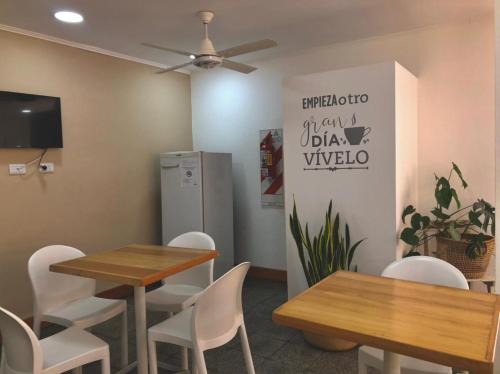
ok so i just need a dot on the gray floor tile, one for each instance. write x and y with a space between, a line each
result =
275 349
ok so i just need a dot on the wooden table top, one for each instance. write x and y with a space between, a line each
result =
135 264
449 326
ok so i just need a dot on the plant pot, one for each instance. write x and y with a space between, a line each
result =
453 251
328 343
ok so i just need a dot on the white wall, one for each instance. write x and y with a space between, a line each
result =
369 196
497 149
455 68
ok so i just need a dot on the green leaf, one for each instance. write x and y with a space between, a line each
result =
459 173
455 197
474 218
409 237
296 229
476 246
411 253
410 209
439 214
326 252
443 193
426 221
455 235
415 221
419 222
351 253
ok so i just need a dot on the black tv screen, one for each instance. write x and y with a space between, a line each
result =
30 121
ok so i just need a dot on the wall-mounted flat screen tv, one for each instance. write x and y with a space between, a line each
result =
30 121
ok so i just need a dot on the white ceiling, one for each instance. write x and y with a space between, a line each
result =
121 25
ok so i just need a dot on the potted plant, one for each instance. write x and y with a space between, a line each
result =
461 233
328 251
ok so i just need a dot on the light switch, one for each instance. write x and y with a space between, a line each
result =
17 169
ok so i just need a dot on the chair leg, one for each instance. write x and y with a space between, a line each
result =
2 361
194 369
124 340
201 368
37 323
184 352
153 361
184 358
247 354
363 362
362 368
105 365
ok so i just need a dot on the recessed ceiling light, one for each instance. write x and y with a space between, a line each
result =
69 17
192 57
26 111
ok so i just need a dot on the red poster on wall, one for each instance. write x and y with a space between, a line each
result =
271 167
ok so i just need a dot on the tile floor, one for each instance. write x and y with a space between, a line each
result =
275 349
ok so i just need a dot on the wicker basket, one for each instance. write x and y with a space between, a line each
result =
453 251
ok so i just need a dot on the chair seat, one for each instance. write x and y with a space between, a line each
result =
71 348
413 364
172 297
174 330
86 312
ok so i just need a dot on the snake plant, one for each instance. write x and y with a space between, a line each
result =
328 251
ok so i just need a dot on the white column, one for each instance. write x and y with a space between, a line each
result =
497 152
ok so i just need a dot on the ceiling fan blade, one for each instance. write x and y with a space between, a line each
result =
247 48
184 53
236 66
173 68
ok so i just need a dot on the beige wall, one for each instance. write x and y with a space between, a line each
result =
117 117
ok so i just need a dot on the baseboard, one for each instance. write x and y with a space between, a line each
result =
267 274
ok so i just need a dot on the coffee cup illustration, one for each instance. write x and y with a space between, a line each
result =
354 135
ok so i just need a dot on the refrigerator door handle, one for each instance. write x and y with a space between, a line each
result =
169 166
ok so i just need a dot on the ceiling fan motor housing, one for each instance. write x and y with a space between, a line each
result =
207 61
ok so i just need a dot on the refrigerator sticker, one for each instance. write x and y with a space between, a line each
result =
189 171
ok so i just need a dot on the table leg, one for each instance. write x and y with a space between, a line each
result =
391 363
489 285
141 329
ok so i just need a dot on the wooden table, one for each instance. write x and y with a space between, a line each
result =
136 265
453 327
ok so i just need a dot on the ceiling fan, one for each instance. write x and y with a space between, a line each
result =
208 57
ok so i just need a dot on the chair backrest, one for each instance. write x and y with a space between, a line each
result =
53 289
201 275
425 269
219 311
21 351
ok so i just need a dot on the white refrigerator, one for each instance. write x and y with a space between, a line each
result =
197 195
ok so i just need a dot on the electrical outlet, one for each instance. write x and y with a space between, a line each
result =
46 167
17 169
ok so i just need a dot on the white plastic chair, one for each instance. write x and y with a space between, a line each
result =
213 321
421 269
181 290
68 300
23 353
